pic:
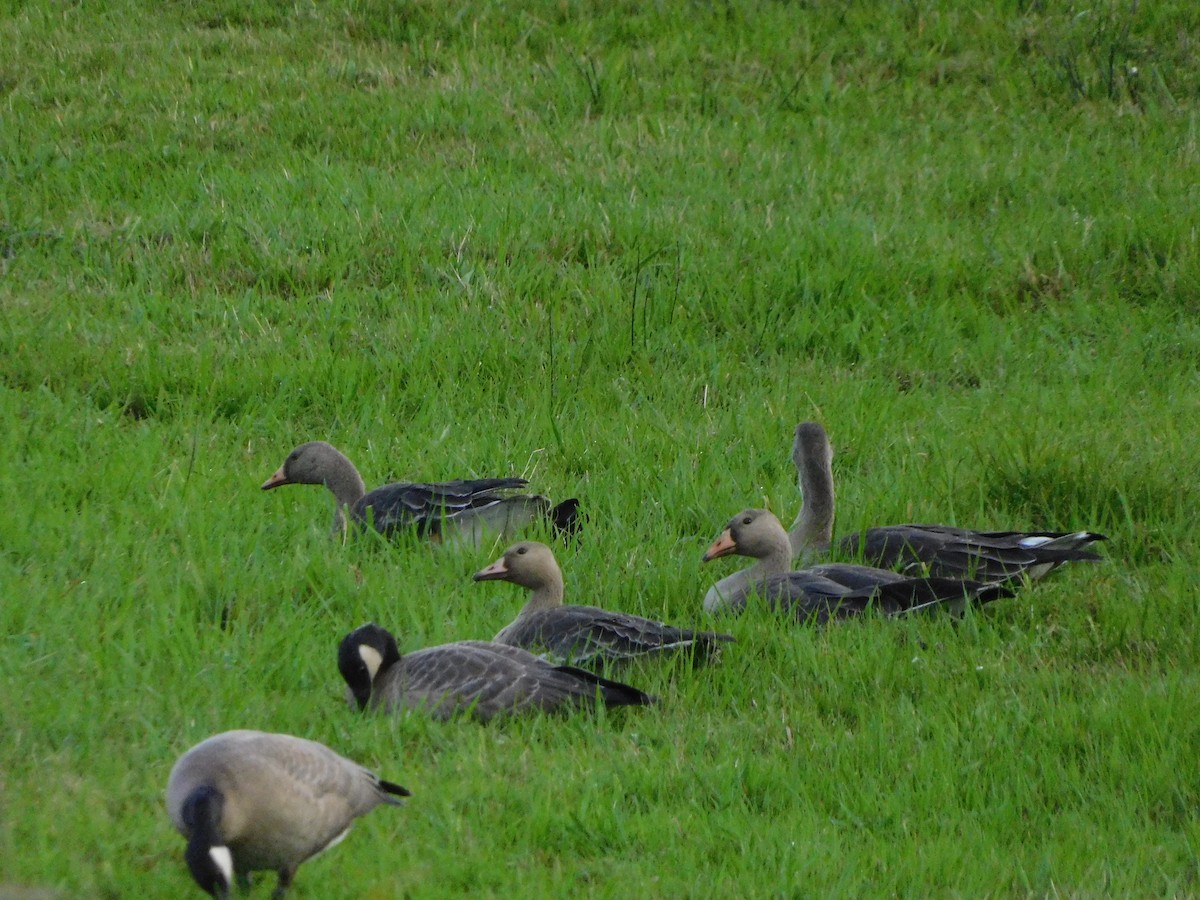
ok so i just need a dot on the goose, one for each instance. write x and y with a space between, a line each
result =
582 635
483 678
251 800
936 549
822 593
463 509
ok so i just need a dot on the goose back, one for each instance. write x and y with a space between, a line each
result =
947 551
589 636
463 509
809 597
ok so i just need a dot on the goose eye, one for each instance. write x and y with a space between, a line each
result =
521 551
747 520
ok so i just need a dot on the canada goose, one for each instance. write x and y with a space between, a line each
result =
824 592
583 635
441 510
480 677
249 800
937 549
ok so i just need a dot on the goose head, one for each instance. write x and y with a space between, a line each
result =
311 463
530 565
208 859
363 655
755 533
752 532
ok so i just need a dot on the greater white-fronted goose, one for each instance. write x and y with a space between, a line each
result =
249 800
582 635
936 549
465 509
480 677
812 594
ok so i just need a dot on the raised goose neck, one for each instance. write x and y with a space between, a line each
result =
812 532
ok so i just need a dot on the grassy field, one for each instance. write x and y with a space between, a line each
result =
620 249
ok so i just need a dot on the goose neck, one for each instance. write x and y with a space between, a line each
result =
344 482
547 595
813 528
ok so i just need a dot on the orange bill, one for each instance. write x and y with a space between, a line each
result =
722 546
496 570
275 480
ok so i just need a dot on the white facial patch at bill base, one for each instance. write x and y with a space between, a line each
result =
371 657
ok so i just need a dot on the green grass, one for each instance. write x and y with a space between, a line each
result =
619 248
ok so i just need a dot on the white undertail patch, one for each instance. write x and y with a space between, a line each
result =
371 657
224 862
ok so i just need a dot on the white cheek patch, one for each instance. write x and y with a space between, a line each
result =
372 657
224 862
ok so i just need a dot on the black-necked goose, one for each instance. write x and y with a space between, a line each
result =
582 635
814 594
936 549
465 509
248 801
480 677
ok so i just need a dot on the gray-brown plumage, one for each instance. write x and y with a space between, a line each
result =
583 635
250 800
464 510
935 549
814 594
482 678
